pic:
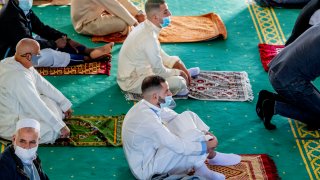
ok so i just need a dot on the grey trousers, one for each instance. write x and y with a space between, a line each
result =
302 100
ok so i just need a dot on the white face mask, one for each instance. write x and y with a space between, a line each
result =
25 5
26 155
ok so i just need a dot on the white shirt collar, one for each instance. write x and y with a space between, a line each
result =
153 27
151 105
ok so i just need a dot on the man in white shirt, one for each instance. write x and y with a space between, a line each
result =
101 17
157 140
141 54
24 93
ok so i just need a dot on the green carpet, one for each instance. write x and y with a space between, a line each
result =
234 123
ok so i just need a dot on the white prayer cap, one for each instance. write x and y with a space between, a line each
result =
23 123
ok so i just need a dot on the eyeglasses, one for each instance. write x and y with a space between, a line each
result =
25 55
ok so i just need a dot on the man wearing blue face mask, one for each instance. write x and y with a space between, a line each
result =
141 54
20 160
57 50
159 141
25 93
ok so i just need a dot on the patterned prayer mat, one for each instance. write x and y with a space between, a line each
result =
51 2
89 131
93 131
101 67
221 86
267 53
183 29
215 86
308 143
252 166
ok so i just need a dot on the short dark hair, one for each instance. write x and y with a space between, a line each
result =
153 4
152 82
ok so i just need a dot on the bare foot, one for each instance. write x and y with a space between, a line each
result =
100 51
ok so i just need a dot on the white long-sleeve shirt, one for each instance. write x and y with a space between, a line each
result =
144 134
20 90
141 55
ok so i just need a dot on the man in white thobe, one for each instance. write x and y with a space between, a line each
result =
24 93
157 140
101 17
142 56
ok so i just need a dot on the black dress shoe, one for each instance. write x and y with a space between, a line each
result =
263 95
268 112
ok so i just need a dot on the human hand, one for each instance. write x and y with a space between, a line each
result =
140 17
211 144
64 132
68 113
61 42
189 77
209 133
185 76
179 65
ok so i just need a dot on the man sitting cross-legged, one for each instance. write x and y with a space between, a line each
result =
157 140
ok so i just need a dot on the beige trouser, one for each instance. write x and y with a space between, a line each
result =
109 23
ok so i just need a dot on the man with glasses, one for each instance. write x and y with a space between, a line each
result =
24 93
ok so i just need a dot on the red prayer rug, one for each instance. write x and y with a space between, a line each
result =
214 86
267 53
251 167
101 67
221 86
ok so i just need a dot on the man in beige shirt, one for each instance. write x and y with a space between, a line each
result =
141 55
102 17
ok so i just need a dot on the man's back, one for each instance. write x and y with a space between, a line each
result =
132 56
12 77
138 138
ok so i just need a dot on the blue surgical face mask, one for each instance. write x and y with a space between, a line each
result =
35 59
25 5
165 22
168 102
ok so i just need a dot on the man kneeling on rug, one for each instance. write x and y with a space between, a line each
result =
141 54
24 93
20 160
57 50
291 74
157 140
